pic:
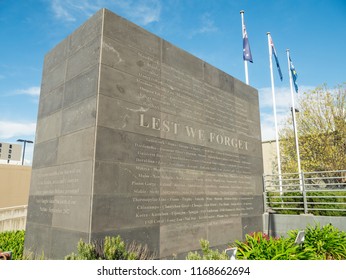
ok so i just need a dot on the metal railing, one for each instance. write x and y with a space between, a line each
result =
318 193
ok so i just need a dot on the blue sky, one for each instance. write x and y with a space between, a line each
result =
314 31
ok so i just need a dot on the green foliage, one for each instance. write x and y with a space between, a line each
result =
326 242
321 130
29 256
317 201
112 248
259 246
13 241
207 253
321 243
295 200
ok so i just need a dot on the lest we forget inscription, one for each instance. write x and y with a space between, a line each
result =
139 138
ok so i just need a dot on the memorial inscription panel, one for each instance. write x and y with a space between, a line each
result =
165 150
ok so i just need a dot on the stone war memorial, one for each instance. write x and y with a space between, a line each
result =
139 138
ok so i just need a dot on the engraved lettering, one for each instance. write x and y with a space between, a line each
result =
156 123
141 121
190 131
165 126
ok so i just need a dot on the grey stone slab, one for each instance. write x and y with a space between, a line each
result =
121 115
71 212
218 78
118 146
58 249
84 58
77 146
120 85
143 140
125 179
117 56
79 116
117 212
53 78
56 55
45 154
251 224
107 179
37 243
38 210
67 179
48 128
224 231
117 114
132 35
50 103
85 33
175 240
178 58
81 87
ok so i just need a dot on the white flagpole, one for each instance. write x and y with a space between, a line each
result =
245 61
274 111
294 121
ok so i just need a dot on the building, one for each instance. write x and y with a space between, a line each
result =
14 194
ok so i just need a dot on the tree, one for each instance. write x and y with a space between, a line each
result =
321 126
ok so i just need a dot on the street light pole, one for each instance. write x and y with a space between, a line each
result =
24 141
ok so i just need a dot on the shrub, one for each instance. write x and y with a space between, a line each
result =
207 253
13 241
326 242
111 248
259 246
319 203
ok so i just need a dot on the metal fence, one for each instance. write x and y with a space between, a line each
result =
318 193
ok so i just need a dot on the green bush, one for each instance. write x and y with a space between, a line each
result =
321 243
326 242
207 253
13 241
111 248
331 200
259 246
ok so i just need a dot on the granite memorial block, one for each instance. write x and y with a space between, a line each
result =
139 138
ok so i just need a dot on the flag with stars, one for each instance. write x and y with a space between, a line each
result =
294 74
246 46
276 57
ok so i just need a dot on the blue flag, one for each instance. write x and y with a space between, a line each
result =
294 74
246 46
276 58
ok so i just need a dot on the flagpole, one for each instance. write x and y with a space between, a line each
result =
294 121
245 61
274 112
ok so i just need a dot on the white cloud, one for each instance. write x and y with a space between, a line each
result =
10 129
141 11
207 25
144 11
282 96
61 11
283 102
33 91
